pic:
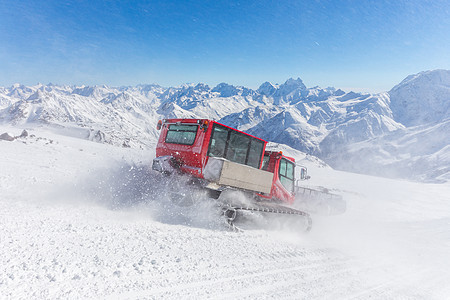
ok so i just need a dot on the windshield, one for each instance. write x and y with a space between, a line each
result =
181 134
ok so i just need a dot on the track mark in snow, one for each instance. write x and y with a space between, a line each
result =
394 285
260 277
62 243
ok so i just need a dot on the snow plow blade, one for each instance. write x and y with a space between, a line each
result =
320 202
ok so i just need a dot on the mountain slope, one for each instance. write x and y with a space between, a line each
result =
420 150
422 98
325 122
421 153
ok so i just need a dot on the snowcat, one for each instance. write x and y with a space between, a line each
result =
206 157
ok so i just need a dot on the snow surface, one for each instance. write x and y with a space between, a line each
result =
90 220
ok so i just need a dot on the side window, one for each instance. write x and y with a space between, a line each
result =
283 167
218 142
256 150
181 134
290 170
265 165
237 147
286 173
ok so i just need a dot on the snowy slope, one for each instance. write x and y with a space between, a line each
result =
421 153
89 220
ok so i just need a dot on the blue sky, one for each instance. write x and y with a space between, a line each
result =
354 45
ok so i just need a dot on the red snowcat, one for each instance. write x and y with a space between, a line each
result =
205 156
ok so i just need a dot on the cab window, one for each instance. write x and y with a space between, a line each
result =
286 173
218 142
181 134
255 152
235 146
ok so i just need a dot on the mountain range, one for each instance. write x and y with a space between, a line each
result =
401 133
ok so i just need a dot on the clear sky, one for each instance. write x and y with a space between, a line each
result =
356 45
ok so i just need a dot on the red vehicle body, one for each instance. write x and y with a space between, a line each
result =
191 142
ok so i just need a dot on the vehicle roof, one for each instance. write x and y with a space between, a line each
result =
209 121
279 153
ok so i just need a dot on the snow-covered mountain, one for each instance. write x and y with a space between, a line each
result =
423 152
418 150
117 116
326 122
422 98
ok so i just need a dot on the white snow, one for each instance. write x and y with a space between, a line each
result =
90 220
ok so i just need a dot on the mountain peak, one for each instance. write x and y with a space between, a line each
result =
290 86
202 87
295 83
432 77
267 89
422 98
225 90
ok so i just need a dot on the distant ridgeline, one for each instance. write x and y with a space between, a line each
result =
400 133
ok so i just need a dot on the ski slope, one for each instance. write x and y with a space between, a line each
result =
87 220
